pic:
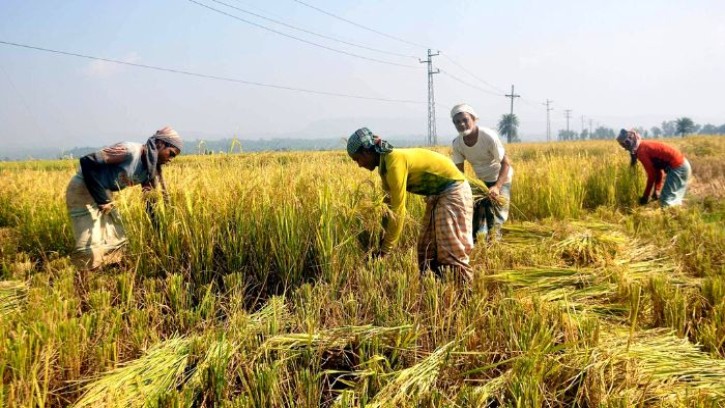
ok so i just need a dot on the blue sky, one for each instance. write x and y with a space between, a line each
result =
618 63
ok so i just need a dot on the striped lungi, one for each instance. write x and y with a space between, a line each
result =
446 238
97 236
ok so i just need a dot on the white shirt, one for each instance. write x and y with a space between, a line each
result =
485 155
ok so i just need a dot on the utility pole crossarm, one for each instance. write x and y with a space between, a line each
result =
512 96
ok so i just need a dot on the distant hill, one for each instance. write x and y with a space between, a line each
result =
212 146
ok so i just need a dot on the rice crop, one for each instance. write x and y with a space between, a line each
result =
257 290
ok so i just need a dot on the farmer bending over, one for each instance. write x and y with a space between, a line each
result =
658 159
97 227
445 238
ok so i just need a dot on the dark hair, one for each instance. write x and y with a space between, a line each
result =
633 157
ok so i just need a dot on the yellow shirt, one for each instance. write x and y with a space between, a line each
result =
419 171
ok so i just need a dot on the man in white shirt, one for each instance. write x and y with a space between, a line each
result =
483 149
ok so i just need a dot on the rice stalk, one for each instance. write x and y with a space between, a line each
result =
346 399
586 248
482 395
481 193
209 375
13 297
543 278
275 311
526 234
368 208
330 339
656 361
582 291
414 383
141 381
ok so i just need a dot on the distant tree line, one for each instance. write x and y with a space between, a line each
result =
235 145
680 127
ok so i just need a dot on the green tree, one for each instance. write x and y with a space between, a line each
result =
602 133
509 126
669 128
656 132
684 125
567 134
708 129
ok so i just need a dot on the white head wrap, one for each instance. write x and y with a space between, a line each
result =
169 135
460 108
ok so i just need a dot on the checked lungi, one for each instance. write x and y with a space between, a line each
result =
446 238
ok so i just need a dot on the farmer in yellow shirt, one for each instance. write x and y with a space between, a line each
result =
446 239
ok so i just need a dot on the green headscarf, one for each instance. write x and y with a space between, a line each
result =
364 138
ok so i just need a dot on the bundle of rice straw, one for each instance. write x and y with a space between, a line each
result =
481 192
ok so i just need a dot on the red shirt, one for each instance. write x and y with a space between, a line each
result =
657 157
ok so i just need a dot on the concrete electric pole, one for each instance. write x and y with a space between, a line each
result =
548 120
512 96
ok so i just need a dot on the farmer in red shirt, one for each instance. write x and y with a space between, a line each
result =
658 159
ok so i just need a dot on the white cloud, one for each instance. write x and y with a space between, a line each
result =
105 69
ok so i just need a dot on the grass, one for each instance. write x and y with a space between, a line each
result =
257 291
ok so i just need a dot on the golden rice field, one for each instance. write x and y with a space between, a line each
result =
257 292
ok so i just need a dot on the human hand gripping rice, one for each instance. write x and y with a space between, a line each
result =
481 193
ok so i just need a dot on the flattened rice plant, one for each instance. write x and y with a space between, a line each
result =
415 383
141 381
13 297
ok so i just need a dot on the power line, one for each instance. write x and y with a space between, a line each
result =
512 96
455 78
206 76
526 101
473 75
360 25
312 32
301 39
501 91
